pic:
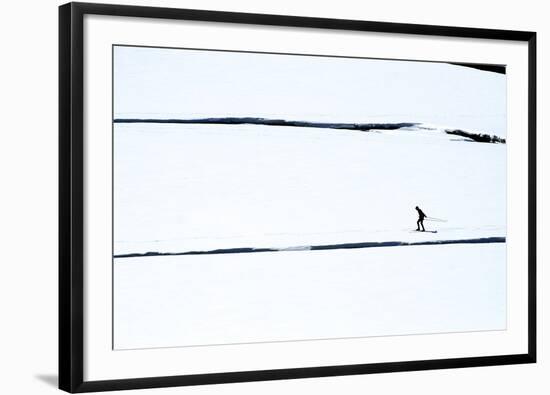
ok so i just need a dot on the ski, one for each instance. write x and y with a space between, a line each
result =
423 231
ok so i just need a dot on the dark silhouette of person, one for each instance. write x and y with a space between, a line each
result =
420 221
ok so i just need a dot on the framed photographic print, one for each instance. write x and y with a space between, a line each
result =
253 197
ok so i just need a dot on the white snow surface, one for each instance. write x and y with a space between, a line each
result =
181 188
282 296
191 187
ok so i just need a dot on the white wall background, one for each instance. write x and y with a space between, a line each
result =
28 202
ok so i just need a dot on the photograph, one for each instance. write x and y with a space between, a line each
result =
285 197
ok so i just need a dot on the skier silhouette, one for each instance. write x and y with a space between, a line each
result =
420 221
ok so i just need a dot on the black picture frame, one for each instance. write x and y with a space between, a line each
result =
71 196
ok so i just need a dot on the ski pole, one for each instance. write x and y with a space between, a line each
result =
436 219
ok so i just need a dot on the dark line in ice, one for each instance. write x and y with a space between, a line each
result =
500 69
368 244
363 127
478 137
274 122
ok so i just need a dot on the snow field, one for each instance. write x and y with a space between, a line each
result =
281 296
